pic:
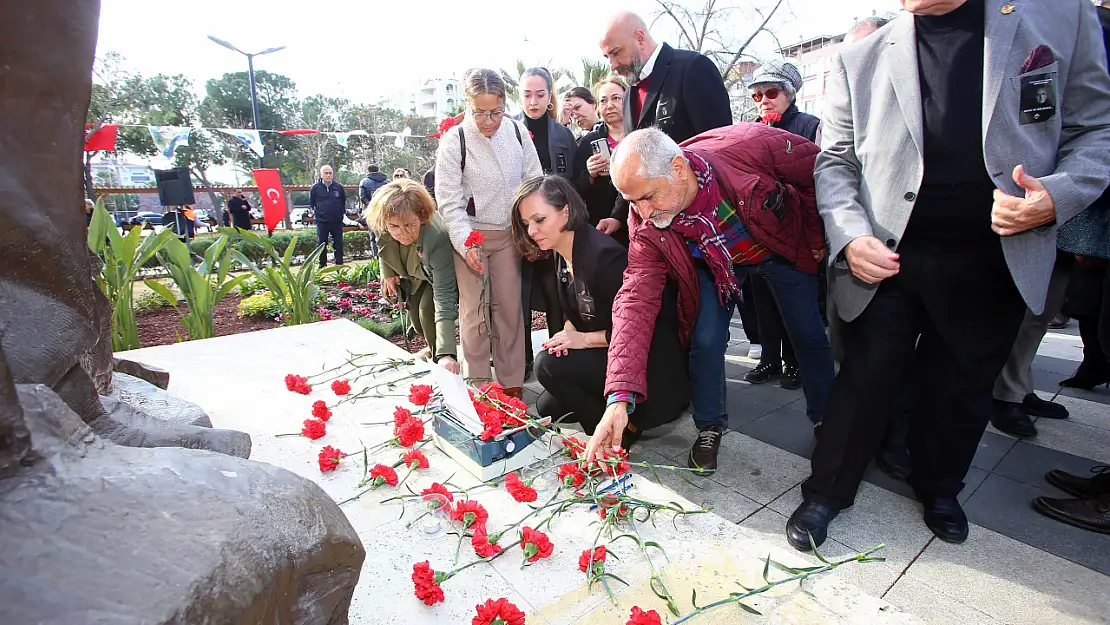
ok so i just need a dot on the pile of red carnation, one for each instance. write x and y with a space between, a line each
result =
408 429
498 411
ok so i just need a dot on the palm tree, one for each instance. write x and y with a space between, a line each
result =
592 72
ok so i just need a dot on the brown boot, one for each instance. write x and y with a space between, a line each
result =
515 391
1081 486
1089 514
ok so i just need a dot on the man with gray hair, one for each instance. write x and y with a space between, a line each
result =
729 203
328 201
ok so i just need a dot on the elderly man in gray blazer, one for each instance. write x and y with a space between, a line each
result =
955 141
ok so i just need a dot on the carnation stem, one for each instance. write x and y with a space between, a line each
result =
287 434
799 575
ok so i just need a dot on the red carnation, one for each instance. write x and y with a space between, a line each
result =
598 555
474 239
382 474
491 422
341 387
400 415
427 583
314 429
535 544
770 117
520 491
297 384
470 513
409 432
447 123
420 394
615 469
570 475
611 503
500 611
482 545
435 491
415 456
329 458
320 410
639 617
573 447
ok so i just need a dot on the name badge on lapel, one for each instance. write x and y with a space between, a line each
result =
561 162
663 111
1038 98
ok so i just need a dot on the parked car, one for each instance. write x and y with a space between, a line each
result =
147 219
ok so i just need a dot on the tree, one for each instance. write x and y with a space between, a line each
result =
592 73
227 104
704 30
106 105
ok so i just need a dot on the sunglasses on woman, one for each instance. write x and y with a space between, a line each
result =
771 94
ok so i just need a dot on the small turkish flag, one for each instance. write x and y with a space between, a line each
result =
272 195
102 138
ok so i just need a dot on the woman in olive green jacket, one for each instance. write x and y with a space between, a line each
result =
417 264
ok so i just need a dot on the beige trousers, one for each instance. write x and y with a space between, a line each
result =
502 262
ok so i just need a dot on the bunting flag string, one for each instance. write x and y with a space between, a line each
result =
169 138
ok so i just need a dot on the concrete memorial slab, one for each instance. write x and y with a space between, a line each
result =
701 552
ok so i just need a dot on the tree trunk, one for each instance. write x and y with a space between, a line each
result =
216 206
89 192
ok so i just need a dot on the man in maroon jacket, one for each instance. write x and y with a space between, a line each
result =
727 203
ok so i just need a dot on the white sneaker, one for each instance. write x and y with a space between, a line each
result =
755 351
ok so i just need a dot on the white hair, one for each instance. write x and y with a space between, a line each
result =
656 151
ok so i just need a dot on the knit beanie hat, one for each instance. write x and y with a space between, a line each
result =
778 71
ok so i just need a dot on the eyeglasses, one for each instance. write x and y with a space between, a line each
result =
491 115
771 94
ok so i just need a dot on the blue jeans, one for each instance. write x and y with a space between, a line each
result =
796 295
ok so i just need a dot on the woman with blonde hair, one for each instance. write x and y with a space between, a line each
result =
417 264
479 165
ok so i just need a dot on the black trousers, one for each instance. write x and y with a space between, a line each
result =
777 348
335 229
575 384
749 318
958 304
539 287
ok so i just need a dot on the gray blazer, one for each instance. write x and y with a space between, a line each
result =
870 169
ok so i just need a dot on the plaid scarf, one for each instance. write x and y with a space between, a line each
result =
698 223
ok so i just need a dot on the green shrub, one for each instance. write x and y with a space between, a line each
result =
201 286
260 306
356 243
297 291
250 286
150 301
387 330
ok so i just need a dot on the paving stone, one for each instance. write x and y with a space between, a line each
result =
757 470
721 500
671 440
784 428
1028 463
1048 383
1085 412
1004 506
1074 438
743 407
934 607
992 448
873 578
878 517
1007 580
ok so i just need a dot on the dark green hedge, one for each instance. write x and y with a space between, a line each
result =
356 246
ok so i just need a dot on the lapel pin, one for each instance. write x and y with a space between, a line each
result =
1008 9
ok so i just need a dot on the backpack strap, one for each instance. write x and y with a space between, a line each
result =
462 146
519 139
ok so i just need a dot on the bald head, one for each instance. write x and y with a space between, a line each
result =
627 44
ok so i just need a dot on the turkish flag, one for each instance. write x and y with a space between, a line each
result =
272 195
103 138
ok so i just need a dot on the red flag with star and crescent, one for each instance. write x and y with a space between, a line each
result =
272 195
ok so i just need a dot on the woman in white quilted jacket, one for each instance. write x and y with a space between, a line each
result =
479 165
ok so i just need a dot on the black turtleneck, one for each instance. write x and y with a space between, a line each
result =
538 128
955 197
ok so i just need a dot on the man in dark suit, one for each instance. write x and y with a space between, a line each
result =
678 91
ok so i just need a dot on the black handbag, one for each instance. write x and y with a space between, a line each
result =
1088 233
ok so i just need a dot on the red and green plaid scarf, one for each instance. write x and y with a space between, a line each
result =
698 223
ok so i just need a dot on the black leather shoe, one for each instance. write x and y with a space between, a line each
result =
629 438
1012 419
1088 376
703 455
1059 322
1037 407
764 372
1083 487
1089 514
810 519
946 519
790 378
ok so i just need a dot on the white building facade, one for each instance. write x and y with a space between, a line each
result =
434 98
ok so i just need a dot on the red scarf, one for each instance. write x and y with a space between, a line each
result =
698 223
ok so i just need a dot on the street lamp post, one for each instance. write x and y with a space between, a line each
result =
250 66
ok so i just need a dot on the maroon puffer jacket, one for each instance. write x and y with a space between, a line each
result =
767 174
